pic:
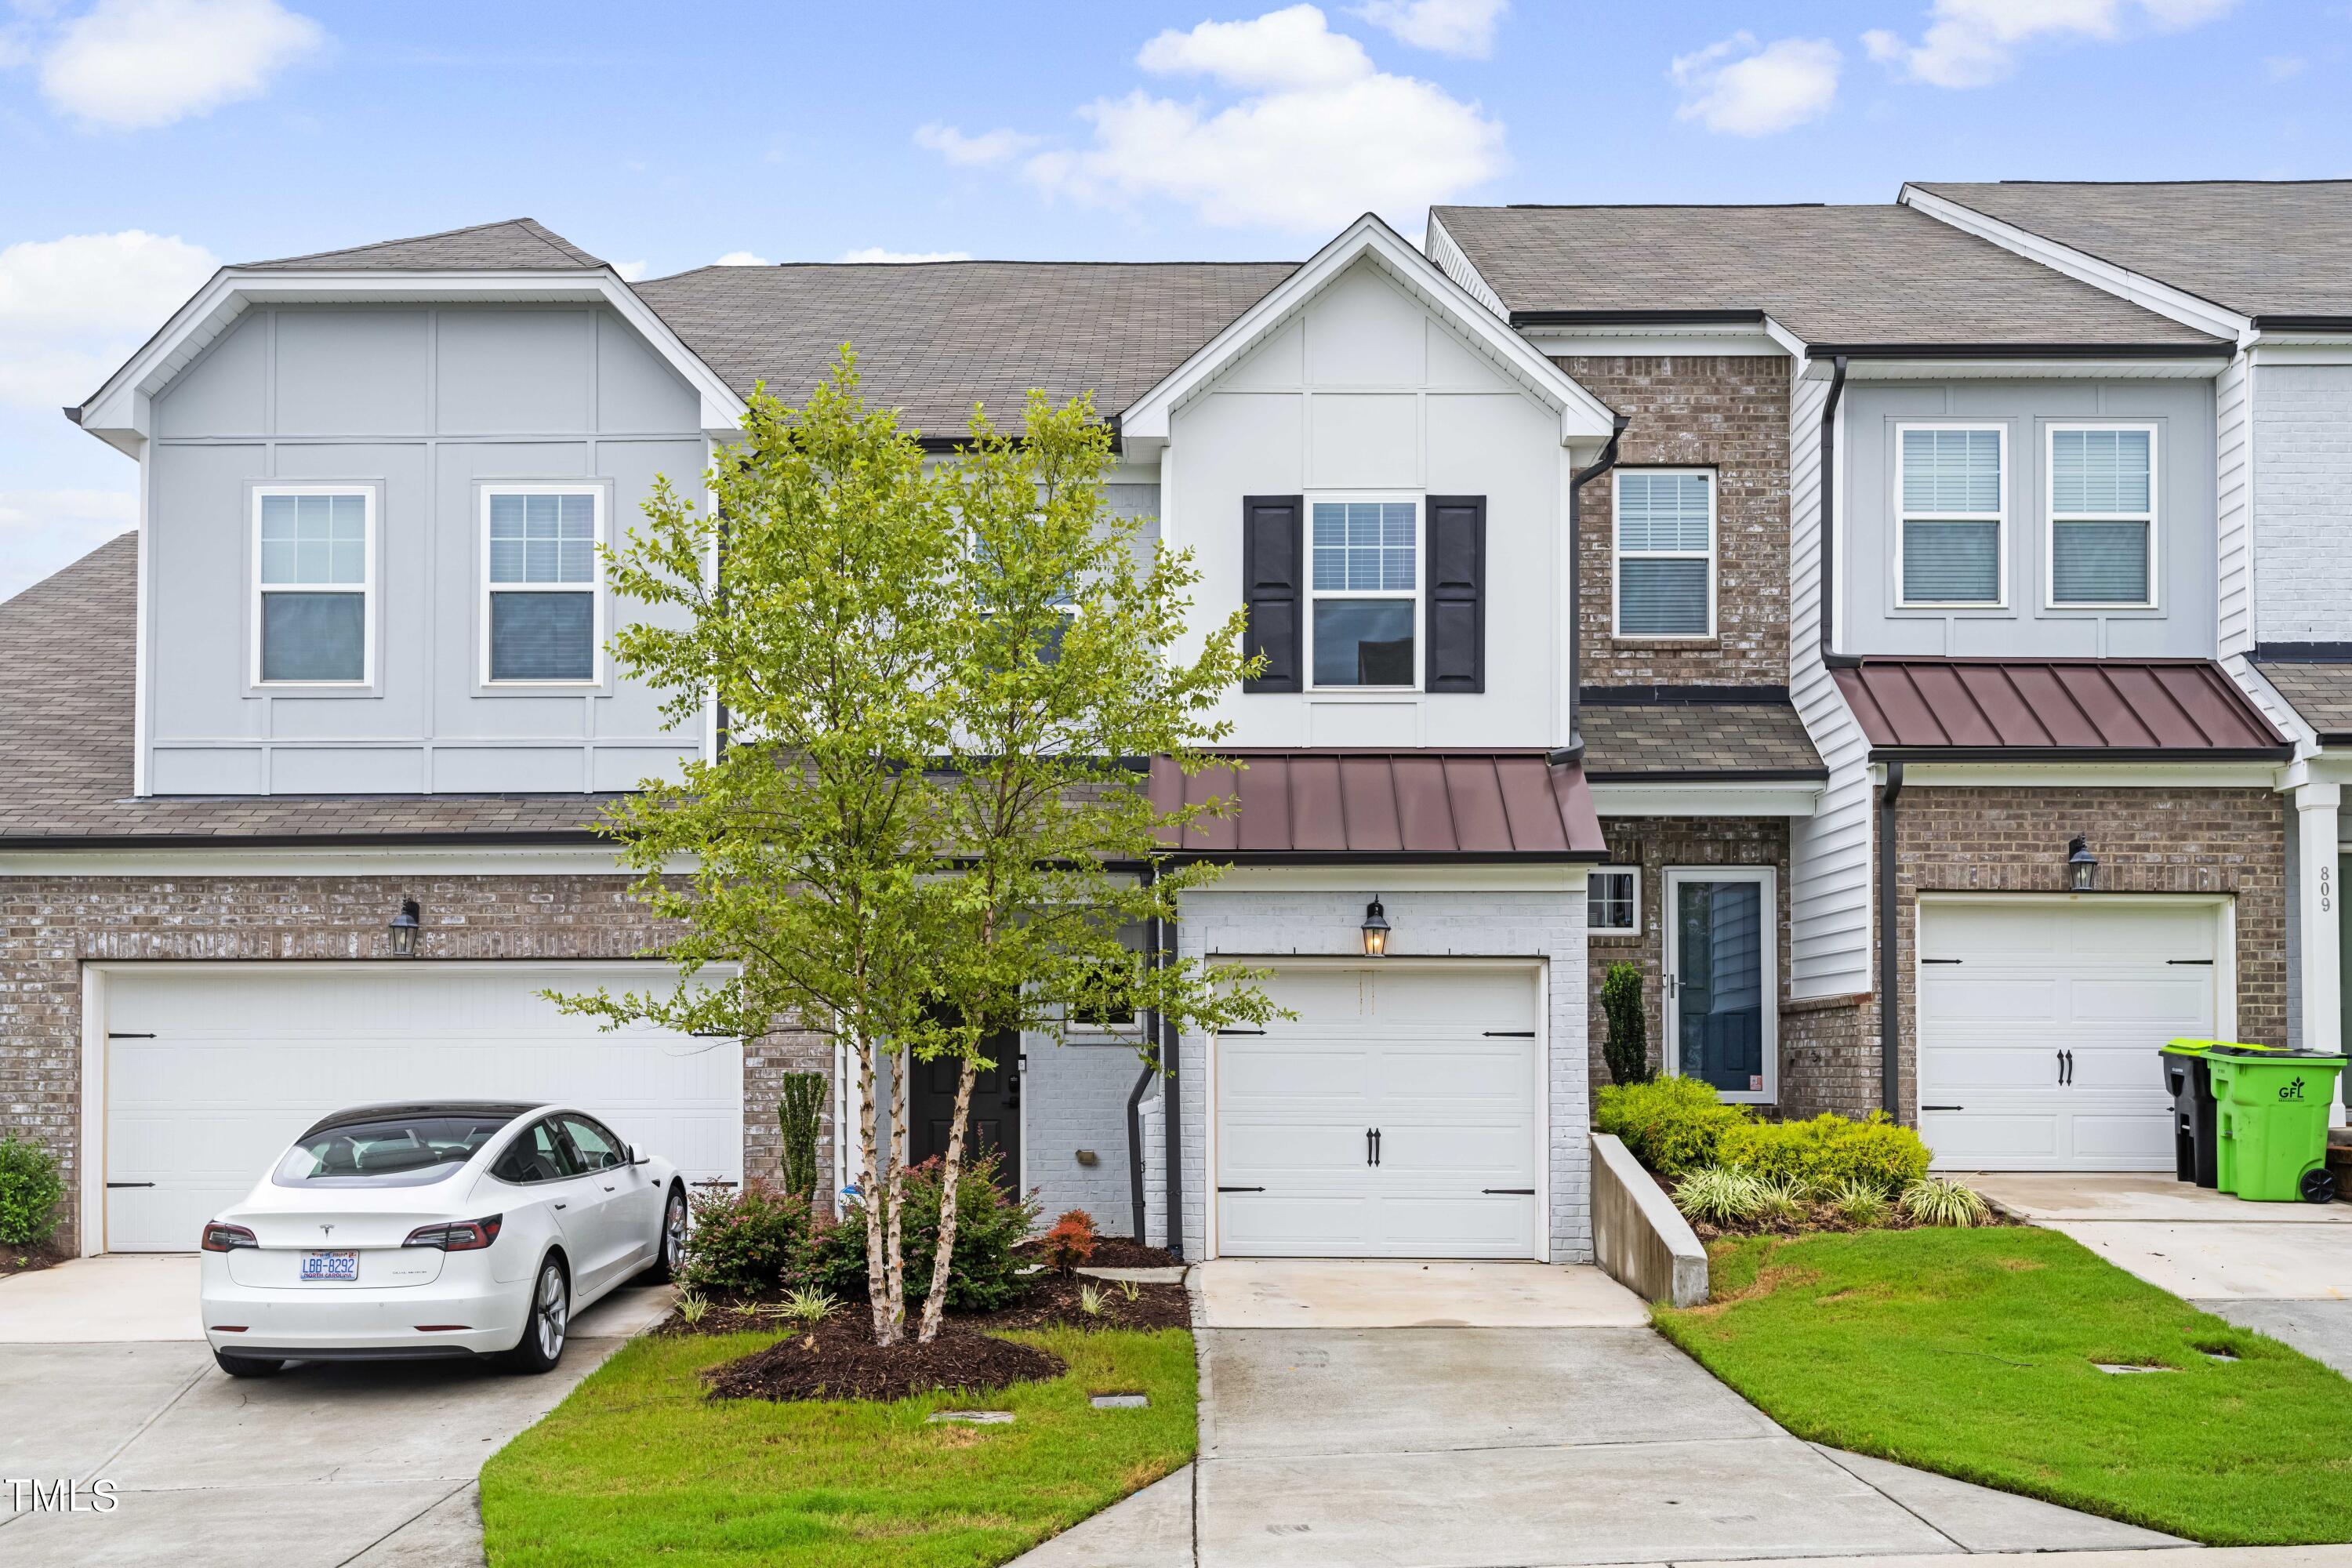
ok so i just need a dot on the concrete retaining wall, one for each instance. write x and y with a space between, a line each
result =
1638 1236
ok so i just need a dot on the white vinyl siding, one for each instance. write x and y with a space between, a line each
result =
542 585
2101 537
1665 552
1951 506
313 585
1364 592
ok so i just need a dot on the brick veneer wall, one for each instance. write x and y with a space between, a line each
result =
50 925
1829 1055
2147 841
1654 844
1731 414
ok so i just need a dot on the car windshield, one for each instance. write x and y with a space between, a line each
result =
398 1152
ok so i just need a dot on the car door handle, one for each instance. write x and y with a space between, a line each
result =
608 1186
564 1205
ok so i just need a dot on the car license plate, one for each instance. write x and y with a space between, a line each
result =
331 1266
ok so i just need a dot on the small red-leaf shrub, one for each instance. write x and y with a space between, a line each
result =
748 1241
1071 1242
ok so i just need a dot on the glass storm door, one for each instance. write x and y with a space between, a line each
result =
1720 985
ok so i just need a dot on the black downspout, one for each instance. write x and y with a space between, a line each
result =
1164 948
1574 749
1831 658
1890 1057
1135 1099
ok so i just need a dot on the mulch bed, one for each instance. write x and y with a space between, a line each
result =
28 1259
843 1363
1113 1252
1058 1301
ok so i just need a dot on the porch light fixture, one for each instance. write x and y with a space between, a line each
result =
404 927
2082 866
1376 930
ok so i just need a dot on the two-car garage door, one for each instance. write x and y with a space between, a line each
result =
210 1070
1398 1114
2039 1022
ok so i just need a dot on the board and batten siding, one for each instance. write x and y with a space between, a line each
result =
2233 491
1829 852
423 404
1365 392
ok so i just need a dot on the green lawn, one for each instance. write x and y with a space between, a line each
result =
1970 1353
638 1467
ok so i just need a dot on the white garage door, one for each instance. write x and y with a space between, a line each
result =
212 1071
2038 1024
1398 1116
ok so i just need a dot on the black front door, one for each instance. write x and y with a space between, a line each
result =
995 1109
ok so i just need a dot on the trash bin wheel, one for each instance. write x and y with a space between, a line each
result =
2319 1185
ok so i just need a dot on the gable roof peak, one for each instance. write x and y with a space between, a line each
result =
507 245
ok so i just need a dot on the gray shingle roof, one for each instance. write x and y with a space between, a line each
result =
2320 692
2257 246
66 644
934 338
1857 276
1626 741
512 245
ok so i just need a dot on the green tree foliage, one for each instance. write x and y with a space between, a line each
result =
800 1118
1627 1049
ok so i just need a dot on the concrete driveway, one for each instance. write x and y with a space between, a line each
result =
101 1376
2282 1269
1541 1425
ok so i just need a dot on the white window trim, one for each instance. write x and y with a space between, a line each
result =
1769 946
2000 520
1418 594
2050 520
1616 932
1619 556
366 587
594 587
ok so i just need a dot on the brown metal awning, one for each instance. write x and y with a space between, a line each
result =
2054 710
1386 805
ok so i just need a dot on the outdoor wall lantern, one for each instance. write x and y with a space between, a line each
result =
404 927
2082 866
1376 930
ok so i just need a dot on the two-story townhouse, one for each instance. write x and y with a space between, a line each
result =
2267 266
2048 836
299 778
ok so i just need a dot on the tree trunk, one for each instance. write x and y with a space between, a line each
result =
936 1303
902 1068
868 1180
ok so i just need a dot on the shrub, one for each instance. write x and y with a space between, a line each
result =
1827 1152
1070 1242
1720 1195
983 1274
799 1112
1783 1200
750 1241
1671 1124
1938 1200
1863 1203
1627 1051
29 1192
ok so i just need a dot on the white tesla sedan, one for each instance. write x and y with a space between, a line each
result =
461 1227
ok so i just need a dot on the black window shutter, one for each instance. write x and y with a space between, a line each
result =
1274 587
1457 659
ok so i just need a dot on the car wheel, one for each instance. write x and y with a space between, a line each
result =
669 1250
246 1365
550 1319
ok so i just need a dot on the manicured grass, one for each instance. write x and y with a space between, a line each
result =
638 1467
1971 1353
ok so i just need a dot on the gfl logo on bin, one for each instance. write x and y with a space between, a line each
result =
2293 1090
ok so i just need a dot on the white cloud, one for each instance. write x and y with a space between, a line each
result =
131 65
72 308
630 272
973 152
742 258
2280 67
874 253
1448 26
1973 43
1740 90
1318 136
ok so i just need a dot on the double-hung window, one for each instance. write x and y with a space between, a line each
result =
1665 552
314 586
2102 515
1951 492
543 600
1364 588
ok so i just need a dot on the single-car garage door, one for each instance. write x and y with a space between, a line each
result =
1398 1115
212 1070
2039 1023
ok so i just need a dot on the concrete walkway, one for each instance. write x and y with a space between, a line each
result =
1573 1438
2282 1269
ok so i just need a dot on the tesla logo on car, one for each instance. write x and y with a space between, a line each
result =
326 1230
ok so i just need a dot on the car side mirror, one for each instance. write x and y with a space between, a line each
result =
636 1155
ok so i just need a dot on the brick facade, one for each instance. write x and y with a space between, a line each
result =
50 925
1729 414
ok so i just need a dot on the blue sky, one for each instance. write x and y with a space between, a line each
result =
146 141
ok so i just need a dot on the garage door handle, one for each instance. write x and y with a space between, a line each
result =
1510 1034
1939 961
111 1185
1508 1191
2206 961
1943 1108
1241 1189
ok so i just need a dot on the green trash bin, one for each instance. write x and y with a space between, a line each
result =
2274 1121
